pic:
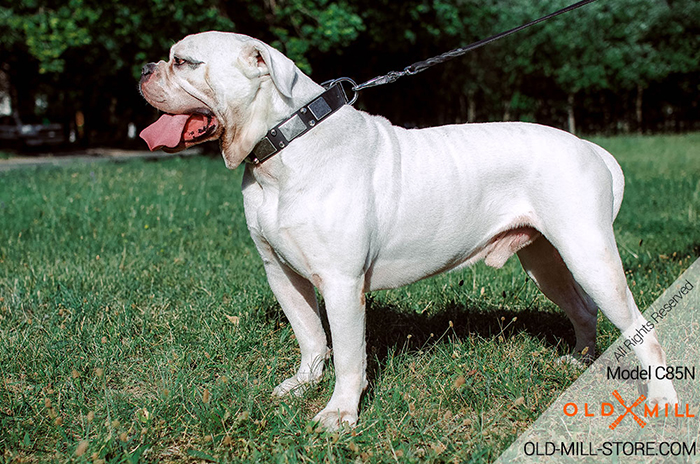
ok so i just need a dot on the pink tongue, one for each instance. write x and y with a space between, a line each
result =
197 125
165 132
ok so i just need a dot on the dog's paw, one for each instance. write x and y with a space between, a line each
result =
293 386
336 419
662 401
661 393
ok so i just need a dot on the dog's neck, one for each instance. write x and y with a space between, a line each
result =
281 108
269 108
304 119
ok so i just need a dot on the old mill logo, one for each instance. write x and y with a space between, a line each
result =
609 409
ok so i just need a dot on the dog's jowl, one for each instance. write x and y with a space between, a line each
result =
356 204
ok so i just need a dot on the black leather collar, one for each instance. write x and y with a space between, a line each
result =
298 124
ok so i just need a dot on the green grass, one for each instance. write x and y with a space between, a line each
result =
136 324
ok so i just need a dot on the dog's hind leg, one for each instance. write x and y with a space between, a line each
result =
545 267
590 254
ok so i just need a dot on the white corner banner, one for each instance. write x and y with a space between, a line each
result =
603 416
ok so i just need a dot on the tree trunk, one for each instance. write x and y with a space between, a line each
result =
640 115
570 113
463 117
506 110
471 106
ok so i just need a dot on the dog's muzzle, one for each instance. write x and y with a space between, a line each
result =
147 71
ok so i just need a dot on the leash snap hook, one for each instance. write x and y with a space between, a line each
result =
410 70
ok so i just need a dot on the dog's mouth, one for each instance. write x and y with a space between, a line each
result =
176 132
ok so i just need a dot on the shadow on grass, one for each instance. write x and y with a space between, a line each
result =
389 327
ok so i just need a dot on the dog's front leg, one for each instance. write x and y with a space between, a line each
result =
297 298
345 306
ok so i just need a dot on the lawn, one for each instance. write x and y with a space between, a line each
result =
136 324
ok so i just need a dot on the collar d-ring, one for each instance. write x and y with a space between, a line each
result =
339 81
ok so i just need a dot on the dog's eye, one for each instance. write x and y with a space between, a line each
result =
179 61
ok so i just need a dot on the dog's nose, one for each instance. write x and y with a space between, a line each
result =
147 70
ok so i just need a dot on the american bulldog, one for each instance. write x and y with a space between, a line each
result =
356 204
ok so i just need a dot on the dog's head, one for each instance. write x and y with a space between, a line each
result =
217 85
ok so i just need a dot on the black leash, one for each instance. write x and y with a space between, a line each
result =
415 68
335 97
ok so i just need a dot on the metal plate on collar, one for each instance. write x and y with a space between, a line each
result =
319 108
292 128
264 148
300 122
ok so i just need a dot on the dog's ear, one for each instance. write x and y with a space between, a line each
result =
263 60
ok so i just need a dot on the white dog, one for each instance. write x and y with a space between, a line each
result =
356 204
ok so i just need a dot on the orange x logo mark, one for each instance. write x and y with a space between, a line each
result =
628 410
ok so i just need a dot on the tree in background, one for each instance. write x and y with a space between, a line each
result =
608 66
84 55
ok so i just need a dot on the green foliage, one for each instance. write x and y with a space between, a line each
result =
50 33
299 25
119 30
604 50
677 36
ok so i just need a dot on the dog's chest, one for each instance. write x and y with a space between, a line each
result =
268 230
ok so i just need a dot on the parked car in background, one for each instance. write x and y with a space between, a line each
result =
15 134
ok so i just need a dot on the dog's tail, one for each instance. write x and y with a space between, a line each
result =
618 178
